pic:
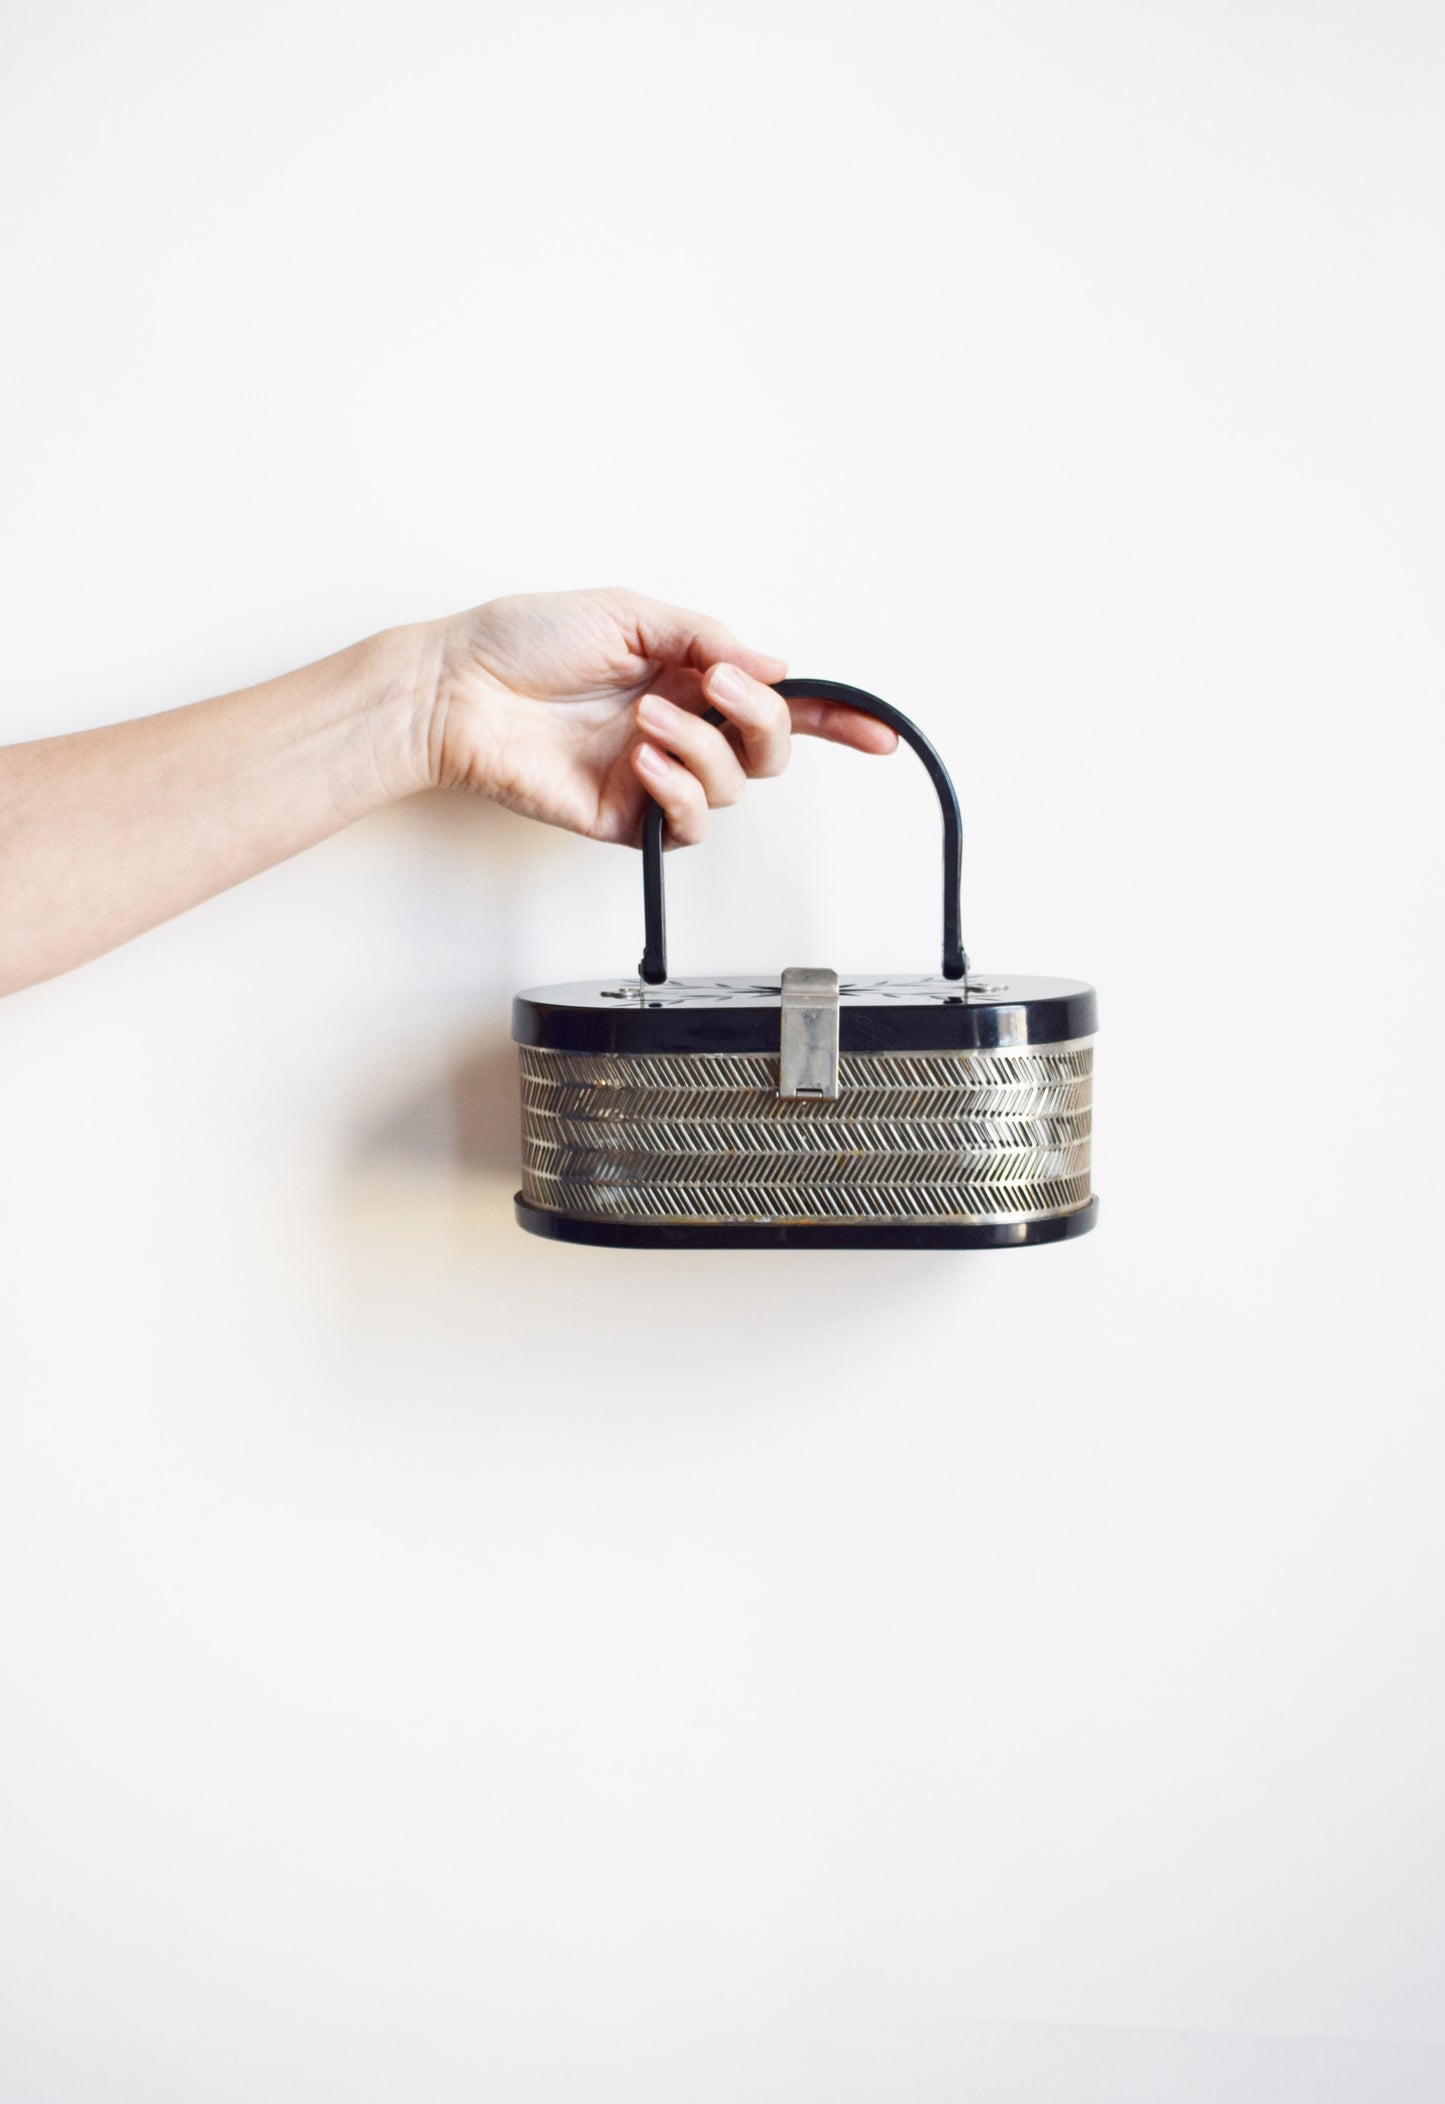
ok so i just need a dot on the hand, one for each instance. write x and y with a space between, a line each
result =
570 706
575 707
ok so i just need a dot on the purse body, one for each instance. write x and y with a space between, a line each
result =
959 1115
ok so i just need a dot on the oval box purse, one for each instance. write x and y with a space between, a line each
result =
801 1109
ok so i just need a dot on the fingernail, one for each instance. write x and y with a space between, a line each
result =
650 760
656 713
728 683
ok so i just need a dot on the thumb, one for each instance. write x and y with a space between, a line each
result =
675 635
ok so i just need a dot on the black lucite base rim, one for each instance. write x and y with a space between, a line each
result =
804 1234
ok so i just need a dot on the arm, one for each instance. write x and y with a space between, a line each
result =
570 707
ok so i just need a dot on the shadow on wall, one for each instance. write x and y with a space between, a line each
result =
442 1116
462 1123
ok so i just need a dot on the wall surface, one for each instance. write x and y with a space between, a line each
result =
437 1665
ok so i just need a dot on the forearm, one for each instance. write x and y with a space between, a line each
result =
105 833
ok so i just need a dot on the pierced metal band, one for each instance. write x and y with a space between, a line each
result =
969 1136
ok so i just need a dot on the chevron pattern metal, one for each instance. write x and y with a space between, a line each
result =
975 1136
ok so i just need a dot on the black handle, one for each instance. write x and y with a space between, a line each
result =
653 967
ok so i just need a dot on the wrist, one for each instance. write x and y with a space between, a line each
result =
399 690
459 704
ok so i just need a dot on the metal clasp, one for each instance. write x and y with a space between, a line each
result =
808 1063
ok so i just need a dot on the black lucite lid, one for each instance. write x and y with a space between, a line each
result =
875 1014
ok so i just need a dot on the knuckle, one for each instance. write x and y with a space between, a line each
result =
773 755
689 800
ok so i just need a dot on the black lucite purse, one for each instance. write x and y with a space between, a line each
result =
800 1109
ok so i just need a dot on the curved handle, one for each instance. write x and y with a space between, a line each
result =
653 968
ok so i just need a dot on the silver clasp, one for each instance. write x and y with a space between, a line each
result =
808 1065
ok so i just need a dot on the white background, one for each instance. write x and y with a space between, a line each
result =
438 1665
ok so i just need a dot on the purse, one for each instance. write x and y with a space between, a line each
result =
805 1110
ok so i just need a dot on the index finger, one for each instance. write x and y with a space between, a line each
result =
840 725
